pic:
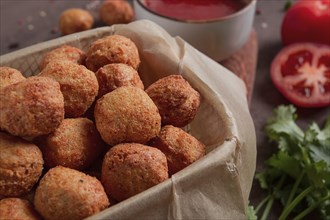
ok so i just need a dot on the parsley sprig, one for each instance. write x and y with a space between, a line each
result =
298 174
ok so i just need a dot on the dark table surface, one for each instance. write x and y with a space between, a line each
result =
27 22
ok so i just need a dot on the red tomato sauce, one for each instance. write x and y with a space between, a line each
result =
195 9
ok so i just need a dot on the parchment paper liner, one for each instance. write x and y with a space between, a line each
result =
216 186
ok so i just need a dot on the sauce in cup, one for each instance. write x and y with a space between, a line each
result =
195 9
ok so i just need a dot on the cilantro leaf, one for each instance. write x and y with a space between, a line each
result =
285 163
299 172
281 127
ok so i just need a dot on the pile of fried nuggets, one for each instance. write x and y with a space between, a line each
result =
82 107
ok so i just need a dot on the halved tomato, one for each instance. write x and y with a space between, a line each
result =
301 72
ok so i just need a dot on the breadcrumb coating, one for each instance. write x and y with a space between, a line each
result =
32 107
129 169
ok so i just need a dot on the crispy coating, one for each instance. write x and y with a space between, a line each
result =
115 75
9 76
129 169
64 52
176 100
116 12
65 193
126 114
78 85
75 20
181 148
75 144
21 164
112 49
17 209
32 107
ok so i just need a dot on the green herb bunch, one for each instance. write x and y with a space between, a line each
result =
298 174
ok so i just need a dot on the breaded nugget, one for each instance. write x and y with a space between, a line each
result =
115 75
129 169
75 144
17 209
21 164
75 20
116 12
181 148
9 76
176 100
112 49
32 107
78 85
65 193
64 52
126 114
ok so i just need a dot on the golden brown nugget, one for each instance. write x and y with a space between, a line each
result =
9 76
64 52
115 75
32 107
75 20
75 144
181 148
65 193
112 49
129 169
78 85
176 100
116 12
126 114
21 165
17 209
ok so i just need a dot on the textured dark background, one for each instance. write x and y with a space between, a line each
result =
27 22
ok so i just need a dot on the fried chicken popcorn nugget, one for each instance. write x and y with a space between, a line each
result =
75 144
64 52
9 76
78 85
115 75
32 107
116 12
181 148
112 49
68 194
21 165
129 169
17 209
126 114
75 20
176 100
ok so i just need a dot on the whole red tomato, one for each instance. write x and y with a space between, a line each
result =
307 21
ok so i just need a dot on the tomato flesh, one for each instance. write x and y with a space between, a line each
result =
301 72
